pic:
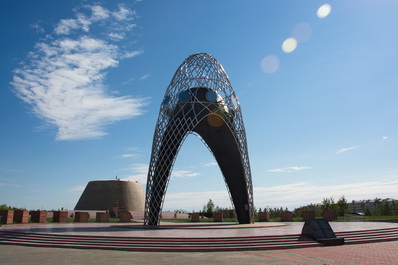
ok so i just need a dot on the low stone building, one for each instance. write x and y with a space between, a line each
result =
112 196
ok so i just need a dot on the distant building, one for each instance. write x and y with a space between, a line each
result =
112 195
361 206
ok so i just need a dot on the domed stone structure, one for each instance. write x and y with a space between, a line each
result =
108 194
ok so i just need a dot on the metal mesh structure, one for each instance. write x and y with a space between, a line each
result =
200 100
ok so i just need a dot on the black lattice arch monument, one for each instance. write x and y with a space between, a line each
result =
200 100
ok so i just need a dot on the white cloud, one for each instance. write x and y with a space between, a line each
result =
117 36
183 174
37 27
10 170
342 150
145 76
129 156
287 169
140 172
123 13
211 164
385 137
130 54
302 193
63 79
98 14
289 195
78 188
195 200
66 25
11 185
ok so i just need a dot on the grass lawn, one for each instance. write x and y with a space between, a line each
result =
295 219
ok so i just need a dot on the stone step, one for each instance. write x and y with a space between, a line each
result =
165 247
189 244
365 232
148 244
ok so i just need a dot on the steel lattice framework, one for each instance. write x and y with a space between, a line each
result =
200 100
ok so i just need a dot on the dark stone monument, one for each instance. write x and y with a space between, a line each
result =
201 101
321 231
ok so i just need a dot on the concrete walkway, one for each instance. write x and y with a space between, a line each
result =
375 253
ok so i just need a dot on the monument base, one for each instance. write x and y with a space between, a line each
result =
326 242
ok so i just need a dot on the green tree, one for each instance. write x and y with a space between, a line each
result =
368 212
377 207
328 204
394 208
4 207
386 209
342 206
208 208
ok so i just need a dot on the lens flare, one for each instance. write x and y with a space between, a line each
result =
302 32
270 64
289 45
324 11
215 120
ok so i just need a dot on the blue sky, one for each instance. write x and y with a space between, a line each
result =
82 83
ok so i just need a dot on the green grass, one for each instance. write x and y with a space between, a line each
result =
90 220
295 219
362 218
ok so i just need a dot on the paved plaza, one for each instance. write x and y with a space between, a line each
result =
189 230
372 253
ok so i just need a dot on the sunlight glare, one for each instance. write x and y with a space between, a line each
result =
324 11
302 32
270 64
289 45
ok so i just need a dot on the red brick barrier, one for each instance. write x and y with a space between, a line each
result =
286 216
330 215
102 217
38 216
60 217
21 216
218 217
125 216
195 217
6 216
263 216
81 217
308 215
